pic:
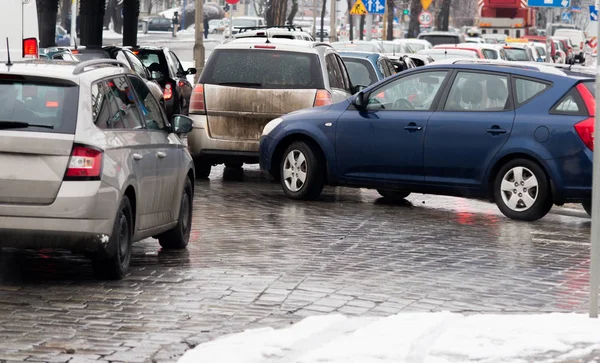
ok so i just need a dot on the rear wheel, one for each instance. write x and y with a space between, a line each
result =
394 195
202 168
587 206
521 190
114 264
179 236
301 171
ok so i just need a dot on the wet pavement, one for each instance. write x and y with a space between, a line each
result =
258 259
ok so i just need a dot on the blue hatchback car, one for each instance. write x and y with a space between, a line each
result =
519 136
367 68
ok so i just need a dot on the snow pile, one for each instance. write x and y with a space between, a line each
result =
410 337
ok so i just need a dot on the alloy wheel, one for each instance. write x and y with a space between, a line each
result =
519 189
295 170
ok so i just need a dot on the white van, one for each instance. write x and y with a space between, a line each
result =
19 23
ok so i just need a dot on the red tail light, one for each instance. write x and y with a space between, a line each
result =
197 105
30 48
323 98
168 92
585 128
85 164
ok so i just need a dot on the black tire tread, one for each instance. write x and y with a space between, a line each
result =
175 238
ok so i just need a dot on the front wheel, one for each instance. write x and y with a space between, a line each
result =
114 263
179 236
301 171
521 190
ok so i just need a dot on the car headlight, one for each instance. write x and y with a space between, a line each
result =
271 126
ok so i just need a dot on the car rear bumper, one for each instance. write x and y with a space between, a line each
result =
572 177
200 144
81 217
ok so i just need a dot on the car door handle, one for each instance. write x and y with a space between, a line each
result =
413 127
137 157
161 155
496 130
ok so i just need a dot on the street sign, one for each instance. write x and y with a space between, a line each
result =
566 16
425 18
576 9
549 3
358 8
425 4
376 6
593 13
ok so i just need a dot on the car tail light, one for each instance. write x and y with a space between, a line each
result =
585 128
168 92
323 98
30 48
197 104
85 164
580 45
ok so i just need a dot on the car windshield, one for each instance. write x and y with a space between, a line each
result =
541 51
440 39
52 106
517 54
361 71
244 22
360 47
263 69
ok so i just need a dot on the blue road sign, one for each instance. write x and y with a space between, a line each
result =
576 9
376 6
593 13
566 16
549 3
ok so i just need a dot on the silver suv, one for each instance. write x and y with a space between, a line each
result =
90 162
248 82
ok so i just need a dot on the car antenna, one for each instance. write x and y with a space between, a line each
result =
8 63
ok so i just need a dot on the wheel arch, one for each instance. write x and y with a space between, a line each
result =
131 195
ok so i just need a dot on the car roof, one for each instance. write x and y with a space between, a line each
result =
279 43
368 55
60 69
516 67
438 33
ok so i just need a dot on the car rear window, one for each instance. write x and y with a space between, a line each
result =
440 39
516 54
46 105
361 71
258 68
153 60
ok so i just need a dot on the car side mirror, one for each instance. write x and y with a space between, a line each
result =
359 101
156 75
358 88
182 124
191 71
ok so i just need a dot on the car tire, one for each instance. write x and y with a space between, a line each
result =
202 169
114 264
301 171
393 195
587 206
234 165
179 236
522 190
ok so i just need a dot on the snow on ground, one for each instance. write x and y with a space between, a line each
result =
111 34
410 337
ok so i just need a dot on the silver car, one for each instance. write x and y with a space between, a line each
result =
90 162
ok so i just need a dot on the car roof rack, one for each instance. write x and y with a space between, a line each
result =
288 27
80 68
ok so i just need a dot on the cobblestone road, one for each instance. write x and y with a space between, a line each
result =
258 258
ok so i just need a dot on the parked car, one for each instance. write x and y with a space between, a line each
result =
243 22
104 166
523 52
213 26
157 23
58 53
367 68
520 136
566 48
170 75
359 46
407 61
126 56
577 41
494 37
467 47
274 32
248 82
436 38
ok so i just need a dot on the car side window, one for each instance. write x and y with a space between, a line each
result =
382 68
153 117
478 92
490 54
347 85
138 66
570 104
171 64
124 99
527 89
177 63
104 111
414 92
333 71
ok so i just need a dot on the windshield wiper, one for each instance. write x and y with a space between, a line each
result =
243 84
20 124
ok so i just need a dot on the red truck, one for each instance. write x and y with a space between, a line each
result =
510 17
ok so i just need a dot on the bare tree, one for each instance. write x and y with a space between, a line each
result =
390 20
323 10
260 7
413 25
443 17
276 11
290 18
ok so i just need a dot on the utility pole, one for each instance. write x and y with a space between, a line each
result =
73 22
333 30
199 45
314 29
183 14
